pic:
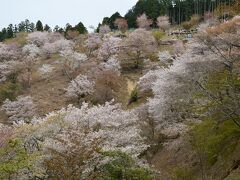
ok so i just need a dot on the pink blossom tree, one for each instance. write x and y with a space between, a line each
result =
121 24
104 29
163 22
144 22
139 45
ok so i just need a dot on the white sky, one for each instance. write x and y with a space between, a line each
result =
60 12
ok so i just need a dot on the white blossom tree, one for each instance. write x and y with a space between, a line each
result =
144 22
109 47
7 68
145 82
56 47
80 87
21 110
93 42
174 88
111 64
9 52
89 129
72 60
45 70
163 22
31 50
38 38
139 45
104 29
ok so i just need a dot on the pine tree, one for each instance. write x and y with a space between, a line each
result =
10 33
47 28
39 26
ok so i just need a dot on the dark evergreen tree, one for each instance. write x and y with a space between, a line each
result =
10 33
32 27
47 28
21 27
56 28
39 26
80 28
112 19
27 25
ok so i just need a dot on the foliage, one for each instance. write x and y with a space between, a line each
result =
211 140
39 26
183 173
9 90
133 96
122 166
13 159
158 35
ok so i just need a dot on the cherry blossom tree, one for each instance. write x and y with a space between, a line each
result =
139 45
38 38
223 39
145 82
31 50
90 130
56 47
9 52
45 70
109 48
21 110
80 87
174 88
111 64
121 24
144 22
93 42
72 61
7 68
163 22
104 29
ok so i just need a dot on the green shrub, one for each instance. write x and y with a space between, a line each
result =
158 35
13 158
122 166
133 96
9 90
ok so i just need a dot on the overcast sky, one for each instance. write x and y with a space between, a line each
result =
60 12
